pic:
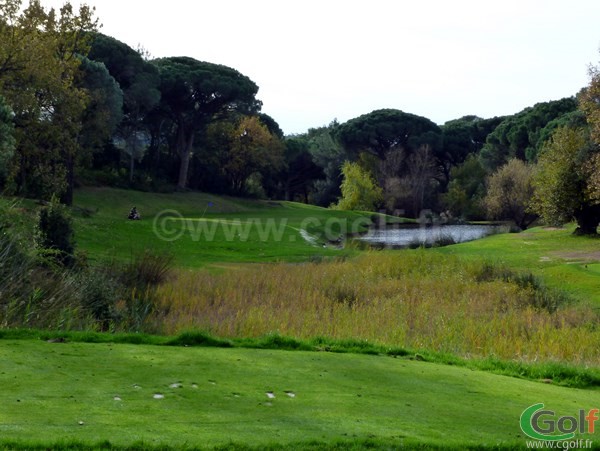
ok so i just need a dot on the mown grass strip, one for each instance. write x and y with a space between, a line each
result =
356 445
549 372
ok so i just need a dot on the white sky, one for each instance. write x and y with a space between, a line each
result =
316 60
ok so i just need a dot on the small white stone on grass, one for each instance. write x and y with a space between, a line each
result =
158 396
290 394
117 398
270 395
176 385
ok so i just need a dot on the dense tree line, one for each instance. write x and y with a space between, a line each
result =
79 107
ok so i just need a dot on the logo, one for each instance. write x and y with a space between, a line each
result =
542 424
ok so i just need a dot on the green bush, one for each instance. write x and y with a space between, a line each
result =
539 295
100 292
148 269
54 235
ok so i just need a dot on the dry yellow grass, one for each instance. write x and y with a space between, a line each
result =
408 299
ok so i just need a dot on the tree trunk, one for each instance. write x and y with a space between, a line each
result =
131 168
288 195
588 219
67 197
185 145
156 148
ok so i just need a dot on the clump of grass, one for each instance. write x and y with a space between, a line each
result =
148 268
33 295
539 295
444 240
128 298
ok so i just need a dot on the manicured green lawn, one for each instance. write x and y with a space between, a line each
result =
200 229
211 396
564 261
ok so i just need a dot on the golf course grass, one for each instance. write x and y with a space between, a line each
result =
564 261
206 397
200 229
72 394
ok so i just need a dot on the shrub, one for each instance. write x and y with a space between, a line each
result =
509 193
54 235
140 277
148 269
100 292
538 296
359 189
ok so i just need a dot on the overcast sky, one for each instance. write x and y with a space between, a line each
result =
316 60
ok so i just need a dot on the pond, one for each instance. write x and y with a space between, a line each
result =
417 236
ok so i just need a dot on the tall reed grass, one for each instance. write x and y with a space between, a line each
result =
408 299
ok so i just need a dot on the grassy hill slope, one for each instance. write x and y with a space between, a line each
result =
200 228
564 261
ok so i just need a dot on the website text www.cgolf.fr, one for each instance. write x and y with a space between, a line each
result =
550 431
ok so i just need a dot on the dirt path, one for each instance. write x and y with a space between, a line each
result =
583 256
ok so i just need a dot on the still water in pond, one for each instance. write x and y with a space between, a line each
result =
427 236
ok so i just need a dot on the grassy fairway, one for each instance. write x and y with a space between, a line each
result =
216 396
200 228
203 229
567 262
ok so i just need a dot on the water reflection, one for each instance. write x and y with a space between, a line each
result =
416 236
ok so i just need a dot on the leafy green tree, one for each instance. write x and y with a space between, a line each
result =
139 80
271 125
509 193
251 149
39 68
522 135
104 110
300 170
359 189
7 140
466 189
561 182
463 137
398 139
590 103
383 130
328 154
193 93
591 171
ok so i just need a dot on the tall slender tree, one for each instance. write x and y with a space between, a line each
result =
139 80
193 93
